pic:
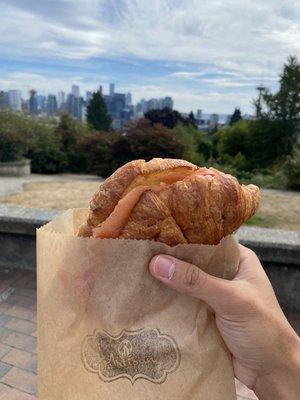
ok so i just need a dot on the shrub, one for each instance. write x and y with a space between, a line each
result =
267 143
12 146
141 140
166 117
13 137
93 153
196 149
45 150
70 133
262 144
231 141
291 170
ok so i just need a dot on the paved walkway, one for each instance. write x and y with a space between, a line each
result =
12 185
18 343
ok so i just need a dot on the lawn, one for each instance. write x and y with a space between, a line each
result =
277 209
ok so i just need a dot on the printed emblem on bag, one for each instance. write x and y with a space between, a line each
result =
142 354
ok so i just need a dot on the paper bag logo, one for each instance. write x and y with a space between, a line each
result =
143 354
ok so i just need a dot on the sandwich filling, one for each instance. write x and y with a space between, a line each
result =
113 225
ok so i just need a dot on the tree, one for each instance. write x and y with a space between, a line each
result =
236 116
45 150
192 120
94 155
97 115
291 170
262 143
13 136
196 149
142 140
166 117
284 105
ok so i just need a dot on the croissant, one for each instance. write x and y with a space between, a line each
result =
171 201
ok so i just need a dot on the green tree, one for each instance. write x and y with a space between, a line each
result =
258 144
97 115
192 120
142 140
236 116
45 150
291 170
13 136
94 153
284 105
196 149
166 117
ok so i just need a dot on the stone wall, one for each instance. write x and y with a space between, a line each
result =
278 250
16 168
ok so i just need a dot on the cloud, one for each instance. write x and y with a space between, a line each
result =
174 30
222 45
290 38
45 83
185 99
193 98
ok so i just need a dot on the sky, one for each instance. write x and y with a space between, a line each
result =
206 54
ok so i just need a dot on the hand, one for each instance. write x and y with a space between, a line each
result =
264 347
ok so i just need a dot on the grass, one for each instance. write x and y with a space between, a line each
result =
279 210
262 222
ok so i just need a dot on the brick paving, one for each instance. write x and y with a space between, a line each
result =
18 342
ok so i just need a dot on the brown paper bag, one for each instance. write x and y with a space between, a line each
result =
107 330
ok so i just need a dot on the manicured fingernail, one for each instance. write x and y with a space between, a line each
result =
164 267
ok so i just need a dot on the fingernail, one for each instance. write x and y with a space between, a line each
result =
164 267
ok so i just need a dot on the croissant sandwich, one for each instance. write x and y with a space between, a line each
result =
171 201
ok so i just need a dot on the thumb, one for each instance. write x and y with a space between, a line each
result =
189 279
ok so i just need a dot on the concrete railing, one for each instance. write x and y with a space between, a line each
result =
15 168
278 250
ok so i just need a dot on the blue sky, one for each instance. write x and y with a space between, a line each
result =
205 54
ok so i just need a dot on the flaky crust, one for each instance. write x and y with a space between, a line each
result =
202 208
112 189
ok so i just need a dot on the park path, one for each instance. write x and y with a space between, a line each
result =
278 209
11 185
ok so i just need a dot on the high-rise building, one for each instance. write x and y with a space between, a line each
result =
75 106
78 108
128 99
84 112
70 104
88 96
141 108
152 104
51 105
61 98
33 108
111 89
75 91
4 103
41 103
14 99
167 102
116 107
213 120
101 89
199 114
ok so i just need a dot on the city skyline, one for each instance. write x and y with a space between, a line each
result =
119 106
210 56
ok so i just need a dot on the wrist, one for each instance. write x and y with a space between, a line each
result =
282 379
